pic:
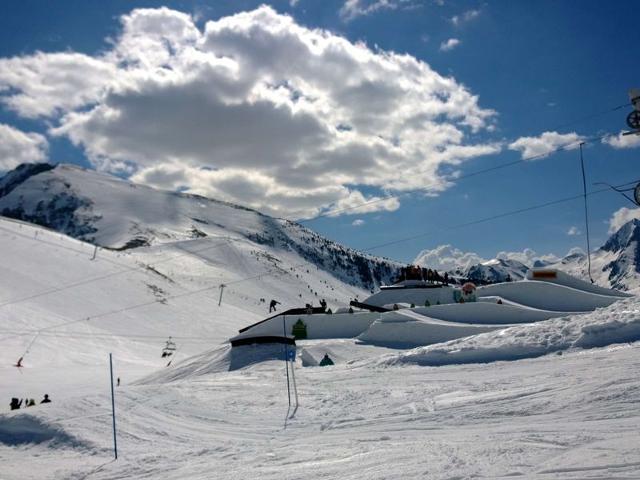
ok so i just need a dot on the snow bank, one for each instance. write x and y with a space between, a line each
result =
24 429
221 359
321 325
619 323
405 329
416 296
562 278
547 296
487 313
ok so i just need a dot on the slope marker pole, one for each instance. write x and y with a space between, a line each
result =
113 409
286 359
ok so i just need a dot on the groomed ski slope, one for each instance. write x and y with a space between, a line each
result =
562 417
60 309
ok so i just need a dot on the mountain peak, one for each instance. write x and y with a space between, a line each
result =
628 233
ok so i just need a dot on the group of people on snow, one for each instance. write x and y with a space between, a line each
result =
413 272
308 306
28 402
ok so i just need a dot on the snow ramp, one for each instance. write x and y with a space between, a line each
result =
561 278
487 313
547 296
406 329
619 323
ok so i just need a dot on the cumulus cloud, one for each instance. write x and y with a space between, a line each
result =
358 222
573 230
18 147
537 147
622 141
465 17
447 257
622 216
255 109
449 44
528 257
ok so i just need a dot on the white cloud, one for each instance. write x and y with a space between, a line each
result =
447 257
622 216
352 9
622 141
575 251
449 44
253 109
358 222
18 147
465 17
527 256
573 230
546 143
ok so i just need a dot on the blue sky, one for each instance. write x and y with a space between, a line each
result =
538 66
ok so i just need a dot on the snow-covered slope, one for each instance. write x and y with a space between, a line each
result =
61 309
118 214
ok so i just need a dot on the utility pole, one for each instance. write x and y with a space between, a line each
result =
586 213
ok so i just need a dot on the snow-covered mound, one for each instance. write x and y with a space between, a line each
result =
118 214
406 328
561 278
619 323
547 296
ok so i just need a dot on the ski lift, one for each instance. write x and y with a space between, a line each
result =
623 191
633 119
169 348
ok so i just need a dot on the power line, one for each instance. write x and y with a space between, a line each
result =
126 269
565 147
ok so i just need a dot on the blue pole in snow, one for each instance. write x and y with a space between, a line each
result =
286 358
113 409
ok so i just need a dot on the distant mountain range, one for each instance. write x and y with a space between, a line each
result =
616 264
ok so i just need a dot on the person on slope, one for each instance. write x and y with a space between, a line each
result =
272 305
323 304
326 361
30 403
15 404
46 399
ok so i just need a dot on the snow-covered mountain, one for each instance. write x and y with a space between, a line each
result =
615 265
117 214
494 271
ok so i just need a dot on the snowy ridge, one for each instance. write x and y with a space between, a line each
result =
118 214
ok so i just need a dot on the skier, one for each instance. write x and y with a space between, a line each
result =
118 384
15 404
30 403
272 305
46 399
326 361
323 304
446 278
19 363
